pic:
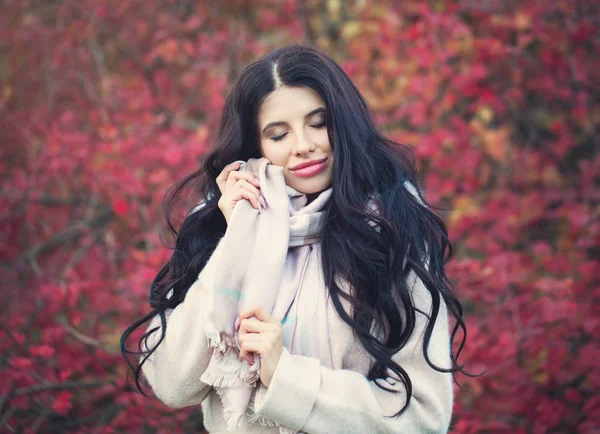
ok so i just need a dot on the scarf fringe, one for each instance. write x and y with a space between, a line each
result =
286 430
232 419
232 371
222 341
235 373
257 418
253 417
218 381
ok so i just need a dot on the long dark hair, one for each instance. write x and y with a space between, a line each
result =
373 252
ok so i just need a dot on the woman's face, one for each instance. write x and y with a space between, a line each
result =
293 130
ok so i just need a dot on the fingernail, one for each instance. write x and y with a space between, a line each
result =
257 181
262 200
237 323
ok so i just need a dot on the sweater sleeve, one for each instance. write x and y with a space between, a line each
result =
311 398
174 368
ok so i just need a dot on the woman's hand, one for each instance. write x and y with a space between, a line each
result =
235 186
261 335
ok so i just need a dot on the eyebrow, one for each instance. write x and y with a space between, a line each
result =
309 114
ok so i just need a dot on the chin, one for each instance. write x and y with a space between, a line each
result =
309 187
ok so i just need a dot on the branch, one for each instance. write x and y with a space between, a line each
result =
46 411
80 336
30 390
47 199
5 417
70 234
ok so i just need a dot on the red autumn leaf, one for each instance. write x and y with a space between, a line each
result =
65 374
120 206
42 351
62 402
21 363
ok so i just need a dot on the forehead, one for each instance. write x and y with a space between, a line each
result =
288 102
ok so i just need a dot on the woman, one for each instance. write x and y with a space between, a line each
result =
307 292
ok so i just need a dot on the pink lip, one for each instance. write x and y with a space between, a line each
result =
311 170
308 163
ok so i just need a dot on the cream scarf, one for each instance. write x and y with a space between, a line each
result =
268 258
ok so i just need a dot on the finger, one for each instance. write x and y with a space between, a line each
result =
245 194
252 325
244 184
251 346
259 313
250 337
248 356
243 342
235 175
227 170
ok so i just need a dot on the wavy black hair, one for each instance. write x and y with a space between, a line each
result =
374 259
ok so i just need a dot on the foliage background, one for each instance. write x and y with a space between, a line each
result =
105 103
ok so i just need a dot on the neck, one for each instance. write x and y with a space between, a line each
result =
312 196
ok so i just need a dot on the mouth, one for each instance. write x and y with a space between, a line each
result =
308 164
310 168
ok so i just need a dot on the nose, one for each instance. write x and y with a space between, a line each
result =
303 144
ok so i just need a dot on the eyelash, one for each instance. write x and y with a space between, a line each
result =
278 138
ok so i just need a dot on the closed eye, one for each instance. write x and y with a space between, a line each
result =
317 126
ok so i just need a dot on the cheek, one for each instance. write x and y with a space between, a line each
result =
323 140
276 154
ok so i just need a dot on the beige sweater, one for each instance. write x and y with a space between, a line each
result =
304 395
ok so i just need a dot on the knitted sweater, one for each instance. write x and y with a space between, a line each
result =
304 395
